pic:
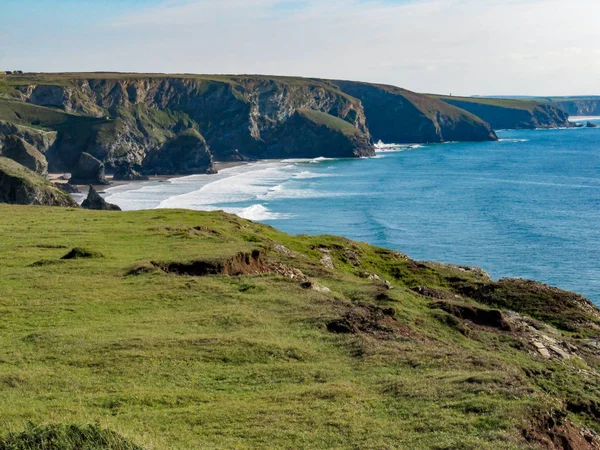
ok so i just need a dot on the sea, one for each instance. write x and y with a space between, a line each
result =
526 206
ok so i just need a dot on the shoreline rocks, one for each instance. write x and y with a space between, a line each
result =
95 201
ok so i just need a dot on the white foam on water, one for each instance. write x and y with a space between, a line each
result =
305 175
260 212
251 184
244 186
513 141
395 148
320 159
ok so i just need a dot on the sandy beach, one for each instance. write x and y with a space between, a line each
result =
60 178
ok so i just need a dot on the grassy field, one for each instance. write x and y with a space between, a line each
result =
523 104
122 346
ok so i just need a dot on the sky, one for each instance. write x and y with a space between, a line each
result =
459 47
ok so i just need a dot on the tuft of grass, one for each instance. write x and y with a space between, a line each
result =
65 437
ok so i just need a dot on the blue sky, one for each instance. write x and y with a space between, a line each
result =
534 47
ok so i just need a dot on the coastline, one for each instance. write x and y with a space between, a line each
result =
102 188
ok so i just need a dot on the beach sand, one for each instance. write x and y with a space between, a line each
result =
60 178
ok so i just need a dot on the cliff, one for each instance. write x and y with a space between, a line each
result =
181 329
512 113
130 122
395 115
578 106
19 185
122 119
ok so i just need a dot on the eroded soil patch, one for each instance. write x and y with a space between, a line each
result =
371 320
556 432
241 264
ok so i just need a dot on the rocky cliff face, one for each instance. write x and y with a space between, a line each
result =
512 114
583 107
132 122
187 154
40 140
20 151
240 115
396 115
19 185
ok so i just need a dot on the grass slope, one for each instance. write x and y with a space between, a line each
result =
171 361
519 104
332 122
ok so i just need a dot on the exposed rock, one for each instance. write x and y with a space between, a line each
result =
39 139
326 259
295 274
426 291
509 114
583 107
282 249
395 115
591 125
565 310
541 348
311 134
187 154
468 270
88 170
128 173
19 185
95 201
25 154
68 188
123 121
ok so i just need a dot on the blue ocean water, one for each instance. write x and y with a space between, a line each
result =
526 206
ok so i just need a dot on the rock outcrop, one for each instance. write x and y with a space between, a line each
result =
187 154
19 185
578 106
40 139
95 201
68 188
88 170
25 154
128 173
591 125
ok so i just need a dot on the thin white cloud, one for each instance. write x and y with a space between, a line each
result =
462 46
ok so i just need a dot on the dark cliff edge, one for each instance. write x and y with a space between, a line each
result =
19 185
133 123
395 115
512 113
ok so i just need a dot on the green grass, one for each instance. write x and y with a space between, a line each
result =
167 361
14 169
522 104
332 122
21 113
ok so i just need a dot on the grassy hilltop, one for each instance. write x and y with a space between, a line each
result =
178 329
